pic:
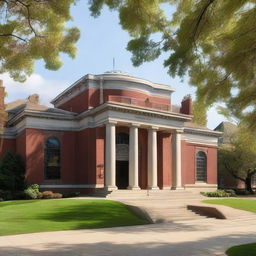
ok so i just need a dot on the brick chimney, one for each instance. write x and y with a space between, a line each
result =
34 98
3 115
186 105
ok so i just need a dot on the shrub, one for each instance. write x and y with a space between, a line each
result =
57 195
12 173
40 195
32 192
70 194
231 192
47 195
6 195
18 195
242 192
219 193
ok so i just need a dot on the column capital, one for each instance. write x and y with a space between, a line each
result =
178 131
153 127
111 122
134 125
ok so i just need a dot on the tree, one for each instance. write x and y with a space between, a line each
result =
12 173
213 41
32 30
239 158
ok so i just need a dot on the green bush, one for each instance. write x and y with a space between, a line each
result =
70 194
19 195
32 192
6 195
242 192
220 193
12 173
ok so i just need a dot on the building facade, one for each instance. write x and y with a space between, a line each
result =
111 131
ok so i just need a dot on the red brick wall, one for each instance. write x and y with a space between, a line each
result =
21 145
91 98
7 145
164 159
136 95
34 156
77 104
188 162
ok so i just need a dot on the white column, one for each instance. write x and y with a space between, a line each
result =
110 157
177 160
133 158
152 158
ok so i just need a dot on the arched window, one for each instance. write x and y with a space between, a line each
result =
122 138
52 159
201 166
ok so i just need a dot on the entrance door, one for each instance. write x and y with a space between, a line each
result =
122 174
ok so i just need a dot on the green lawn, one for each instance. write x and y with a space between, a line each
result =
242 250
242 204
19 217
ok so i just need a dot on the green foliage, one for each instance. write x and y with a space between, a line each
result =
32 30
239 158
220 193
30 216
12 173
32 192
212 40
199 113
71 194
242 250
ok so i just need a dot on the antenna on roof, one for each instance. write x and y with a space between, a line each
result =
114 64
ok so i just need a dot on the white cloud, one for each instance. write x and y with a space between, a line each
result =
46 88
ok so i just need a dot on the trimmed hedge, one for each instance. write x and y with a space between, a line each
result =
220 193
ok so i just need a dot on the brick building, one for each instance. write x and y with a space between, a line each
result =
111 131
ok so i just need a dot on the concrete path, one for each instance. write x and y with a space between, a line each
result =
181 238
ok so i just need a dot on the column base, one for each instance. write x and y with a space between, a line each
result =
110 188
166 188
153 188
177 188
133 188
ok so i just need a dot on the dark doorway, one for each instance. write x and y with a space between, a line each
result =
122 174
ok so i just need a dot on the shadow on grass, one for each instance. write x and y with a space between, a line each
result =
17 202
96 214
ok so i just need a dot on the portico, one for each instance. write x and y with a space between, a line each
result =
133 159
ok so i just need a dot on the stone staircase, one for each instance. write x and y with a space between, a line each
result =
159 205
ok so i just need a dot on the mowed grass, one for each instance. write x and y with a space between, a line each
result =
19 217
241 204
242 250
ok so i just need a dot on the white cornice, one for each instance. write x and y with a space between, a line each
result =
113 81
122 113
202 131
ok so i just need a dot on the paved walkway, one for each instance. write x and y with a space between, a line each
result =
182 238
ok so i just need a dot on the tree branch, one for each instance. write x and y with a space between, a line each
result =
201 17
234 175
28 16
18 37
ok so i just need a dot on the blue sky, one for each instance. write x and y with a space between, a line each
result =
101 40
